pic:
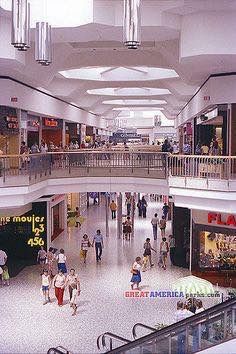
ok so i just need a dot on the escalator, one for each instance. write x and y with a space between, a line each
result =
209 328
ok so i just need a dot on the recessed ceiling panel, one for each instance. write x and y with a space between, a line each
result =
129 91
134 102
120 73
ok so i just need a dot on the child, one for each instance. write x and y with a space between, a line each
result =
5 276
46 283
85 244
73 301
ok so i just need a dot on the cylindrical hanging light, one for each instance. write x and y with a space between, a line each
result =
27 46
20 24
43 43
132 23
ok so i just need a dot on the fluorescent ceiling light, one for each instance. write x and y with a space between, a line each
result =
129 91
59 13
120 73
134 102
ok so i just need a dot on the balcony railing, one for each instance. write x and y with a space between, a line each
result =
19 170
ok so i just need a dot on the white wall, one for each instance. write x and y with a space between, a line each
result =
220 90
42 104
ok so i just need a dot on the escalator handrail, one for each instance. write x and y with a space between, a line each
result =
178 325
138 324
111 335
57 350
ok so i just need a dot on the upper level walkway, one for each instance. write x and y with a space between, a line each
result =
183 176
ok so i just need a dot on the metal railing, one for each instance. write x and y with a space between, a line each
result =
211 327
111 337
28 169
16 170
201 166
58 350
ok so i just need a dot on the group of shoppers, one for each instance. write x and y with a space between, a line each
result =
213 149
60 282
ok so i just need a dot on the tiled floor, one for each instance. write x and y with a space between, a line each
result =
29 327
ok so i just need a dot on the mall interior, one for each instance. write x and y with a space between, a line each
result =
118 176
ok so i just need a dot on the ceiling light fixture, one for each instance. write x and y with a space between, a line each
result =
20 34
43 43
132 24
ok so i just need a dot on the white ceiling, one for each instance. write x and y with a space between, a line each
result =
91 66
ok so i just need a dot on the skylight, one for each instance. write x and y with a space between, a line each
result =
120 73
129 91
134 102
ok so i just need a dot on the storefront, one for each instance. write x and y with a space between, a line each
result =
52 131
214 246
33 128
72 133
181 232
21 236
212 126
90 135
9 130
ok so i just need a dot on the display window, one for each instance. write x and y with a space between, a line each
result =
217 250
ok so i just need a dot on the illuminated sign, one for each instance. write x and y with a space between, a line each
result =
37 227
218 219
50 122
12 122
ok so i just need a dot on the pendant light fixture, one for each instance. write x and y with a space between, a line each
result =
132 23
43 43
20 34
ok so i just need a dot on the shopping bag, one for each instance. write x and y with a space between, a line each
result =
82 254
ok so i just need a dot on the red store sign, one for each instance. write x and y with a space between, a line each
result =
218 219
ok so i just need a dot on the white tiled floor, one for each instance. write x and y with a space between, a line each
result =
29 327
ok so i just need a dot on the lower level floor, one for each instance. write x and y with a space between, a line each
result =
31 327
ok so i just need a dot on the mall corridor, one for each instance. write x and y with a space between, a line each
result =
101 306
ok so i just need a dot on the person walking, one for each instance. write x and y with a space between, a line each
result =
127 228
85 244
41 258
5 276
73 299
72 279
172 248
155 222
164 249
98 241
144 207
148 252
128 203
61 261
162 225
136 273
113 208
50 260
59 284
46 283
139 206
165 210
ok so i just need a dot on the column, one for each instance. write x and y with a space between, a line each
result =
119 215
63 133
107 214
133 201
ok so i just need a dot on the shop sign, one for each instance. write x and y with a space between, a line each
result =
14 99
126 136
12 123
219 219
50 122
37 227
206 98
